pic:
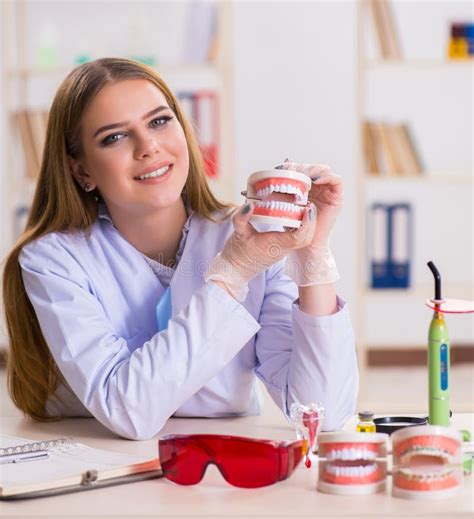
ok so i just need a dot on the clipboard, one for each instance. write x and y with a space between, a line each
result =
69 467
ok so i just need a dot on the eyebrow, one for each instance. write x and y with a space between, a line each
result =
124 123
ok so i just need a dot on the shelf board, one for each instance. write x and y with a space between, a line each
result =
63 70
429 177
423 291
418 63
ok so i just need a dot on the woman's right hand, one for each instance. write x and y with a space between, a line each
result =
251 252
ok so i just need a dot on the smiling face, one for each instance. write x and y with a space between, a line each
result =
128 131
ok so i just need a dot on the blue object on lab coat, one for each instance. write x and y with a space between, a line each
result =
163 310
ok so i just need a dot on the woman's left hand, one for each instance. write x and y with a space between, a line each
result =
326 193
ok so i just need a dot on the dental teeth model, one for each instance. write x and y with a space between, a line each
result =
427 462
349 463
280 196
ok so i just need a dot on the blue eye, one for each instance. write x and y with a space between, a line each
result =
162 121
110 139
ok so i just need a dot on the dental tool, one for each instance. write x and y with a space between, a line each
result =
439 351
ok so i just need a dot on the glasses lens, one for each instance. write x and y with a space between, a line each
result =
249 464
182 461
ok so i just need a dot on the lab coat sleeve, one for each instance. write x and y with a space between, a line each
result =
304 358
131 393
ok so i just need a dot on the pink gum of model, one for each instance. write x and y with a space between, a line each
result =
427 462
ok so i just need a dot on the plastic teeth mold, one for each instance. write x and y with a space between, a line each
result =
280 196
350 463
427 462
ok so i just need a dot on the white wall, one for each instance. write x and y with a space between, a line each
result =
294 67
295 97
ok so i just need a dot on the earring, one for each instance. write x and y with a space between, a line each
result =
88 188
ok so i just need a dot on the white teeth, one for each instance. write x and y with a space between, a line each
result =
424 476
354 472
154 174
282 206
280 188
351 454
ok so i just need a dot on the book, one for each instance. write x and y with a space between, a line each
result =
201 108
379 139
26 136
379 29
388 22
369 148
68 467
385 30
392 163
414 163
37 124
207 120
201 32
389 149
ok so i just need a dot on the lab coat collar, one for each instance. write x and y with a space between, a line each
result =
199 250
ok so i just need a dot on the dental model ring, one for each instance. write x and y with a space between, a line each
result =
451 306
351 464
280 196
427 462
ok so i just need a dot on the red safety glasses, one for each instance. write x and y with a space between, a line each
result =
244 462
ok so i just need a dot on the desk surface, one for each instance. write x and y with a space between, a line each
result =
213 497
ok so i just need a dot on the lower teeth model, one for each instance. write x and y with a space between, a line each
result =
279 195
350 463
427 462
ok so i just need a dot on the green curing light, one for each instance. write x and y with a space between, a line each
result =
438 359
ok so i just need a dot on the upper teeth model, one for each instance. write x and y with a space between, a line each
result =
154 174
349 463
427 462
280 196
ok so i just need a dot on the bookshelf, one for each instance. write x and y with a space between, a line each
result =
440 194
28 87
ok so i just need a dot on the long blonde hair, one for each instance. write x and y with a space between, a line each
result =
59 204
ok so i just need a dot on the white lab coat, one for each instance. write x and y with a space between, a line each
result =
95 298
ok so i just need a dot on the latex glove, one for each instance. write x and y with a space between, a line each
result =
248 252
327 193
315 264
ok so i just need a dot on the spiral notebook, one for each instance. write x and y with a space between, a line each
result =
62 465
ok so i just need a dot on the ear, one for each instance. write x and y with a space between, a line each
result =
79 173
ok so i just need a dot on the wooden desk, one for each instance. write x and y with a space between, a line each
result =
213 497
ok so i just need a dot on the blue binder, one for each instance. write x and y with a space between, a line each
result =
400 239
391 236
379 245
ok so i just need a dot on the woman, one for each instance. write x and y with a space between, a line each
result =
134 295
